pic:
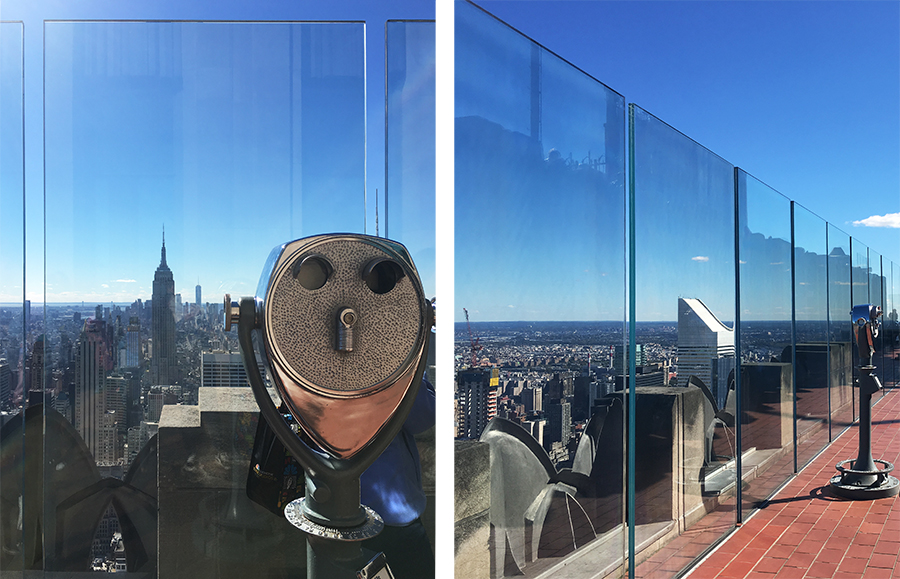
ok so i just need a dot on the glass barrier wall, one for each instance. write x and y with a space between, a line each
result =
812 370
860 291
892 329
409 129
893 333
539 280
840 331
178 154
683 339
410 185
16 353
765 338
876 297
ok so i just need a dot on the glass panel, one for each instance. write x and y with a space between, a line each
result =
892 330
840 331
410 142
811 369
540 214
683 199
16 335
861 294
766 379
876 297
189 149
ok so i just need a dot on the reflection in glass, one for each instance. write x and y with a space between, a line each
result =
16 328
766 360
539 218
892 326
876 297
684 234
860 274
843 396
410 142
178 154
813 351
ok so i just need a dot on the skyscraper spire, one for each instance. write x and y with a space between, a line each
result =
162 261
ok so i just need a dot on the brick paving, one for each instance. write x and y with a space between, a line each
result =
806 532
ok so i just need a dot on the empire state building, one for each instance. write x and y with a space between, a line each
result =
162 364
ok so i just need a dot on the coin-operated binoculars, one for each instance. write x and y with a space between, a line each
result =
865 480
343 325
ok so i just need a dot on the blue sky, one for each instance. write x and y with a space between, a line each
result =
189 126
804 96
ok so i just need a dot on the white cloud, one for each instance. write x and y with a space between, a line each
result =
891 220
103 285
126 281
702 258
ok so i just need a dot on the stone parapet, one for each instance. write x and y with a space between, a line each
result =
472 502
207 525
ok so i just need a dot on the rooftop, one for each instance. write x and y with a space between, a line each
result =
804 531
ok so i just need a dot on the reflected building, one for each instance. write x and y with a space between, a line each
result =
162 365
705 347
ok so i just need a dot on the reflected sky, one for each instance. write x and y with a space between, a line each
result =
410 128
11 176
765 251
539 201
684 232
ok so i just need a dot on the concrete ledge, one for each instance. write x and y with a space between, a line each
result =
180 417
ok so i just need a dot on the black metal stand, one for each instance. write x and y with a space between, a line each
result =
865 481
330 513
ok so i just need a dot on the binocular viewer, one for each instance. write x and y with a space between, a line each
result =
342 325
863 480
865 329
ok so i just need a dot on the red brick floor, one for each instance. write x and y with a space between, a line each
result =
806 532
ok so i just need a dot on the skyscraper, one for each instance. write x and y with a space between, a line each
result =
162 365
705 347
477 390
133 343
5 382
198 295
36 366
223 369
92 362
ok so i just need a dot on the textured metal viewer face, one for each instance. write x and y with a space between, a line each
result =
343 321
